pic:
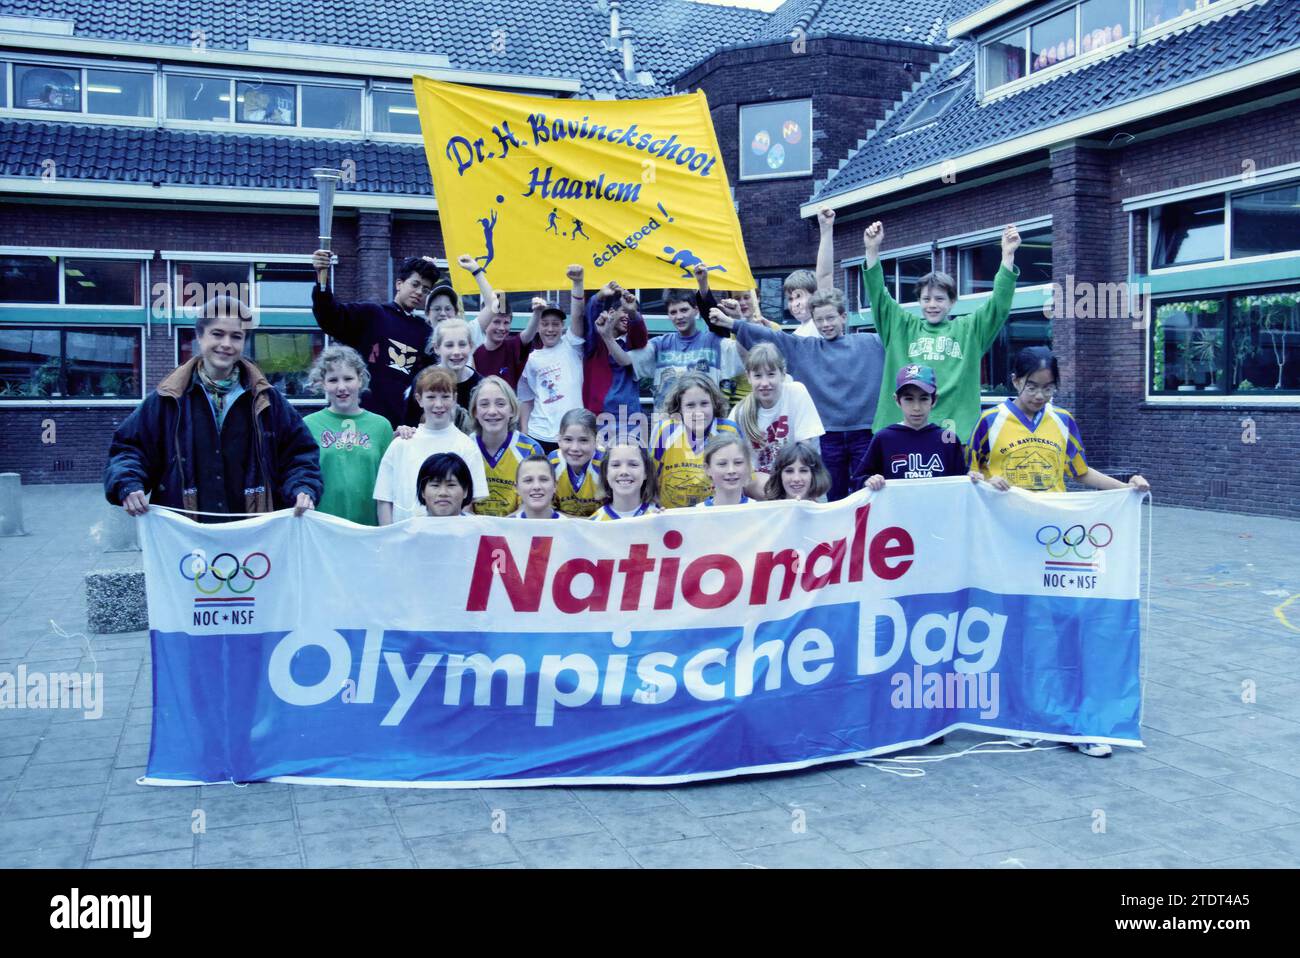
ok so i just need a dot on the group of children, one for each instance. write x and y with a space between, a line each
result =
744 410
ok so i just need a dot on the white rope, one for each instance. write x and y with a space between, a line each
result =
218 515
979 748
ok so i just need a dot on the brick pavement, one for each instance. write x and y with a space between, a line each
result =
1218 785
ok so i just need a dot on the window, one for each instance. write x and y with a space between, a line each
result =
932 107
1156 12
102 282
205 98
29 279
1029 328
196 283
1102 22
901 276
1243 342
1004 59
119 93
1264 222
1267 221
1078 29
978 265
272 103
48 362
85 281
285 356
110 92
1051 41
776 140
331 107
1187 232
47 88
394 112
284 285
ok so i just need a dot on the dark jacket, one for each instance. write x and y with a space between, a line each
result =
389 339
264 457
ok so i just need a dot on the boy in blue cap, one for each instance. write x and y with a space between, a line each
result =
914 448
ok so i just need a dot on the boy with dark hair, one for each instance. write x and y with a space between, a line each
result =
914 448
389 336
609 385
215 436
688 348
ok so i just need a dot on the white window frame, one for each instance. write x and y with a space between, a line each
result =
65 253
233 125
1199 398
787 175
172 257
963 241
1024 24
1190 19
64 402
1226 192
952 93
81 115
368 119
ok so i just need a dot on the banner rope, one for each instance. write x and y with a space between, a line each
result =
218 515
901 766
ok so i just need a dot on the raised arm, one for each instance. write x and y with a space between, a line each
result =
340 320
885 312
826 248
577 301
993 312
487 310
605 329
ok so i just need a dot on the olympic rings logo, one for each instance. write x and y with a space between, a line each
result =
195 567
1060 544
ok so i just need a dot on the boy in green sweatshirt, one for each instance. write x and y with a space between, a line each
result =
952 346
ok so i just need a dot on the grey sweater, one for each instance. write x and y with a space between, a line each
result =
842 375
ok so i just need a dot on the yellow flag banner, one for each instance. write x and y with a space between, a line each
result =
633 190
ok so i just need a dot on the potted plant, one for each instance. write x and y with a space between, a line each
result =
109 384
1203 349
45 379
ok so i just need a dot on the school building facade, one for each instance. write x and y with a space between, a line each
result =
1146 148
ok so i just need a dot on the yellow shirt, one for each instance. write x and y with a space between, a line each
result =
1032 454
502 498
607 514
584 498
679 463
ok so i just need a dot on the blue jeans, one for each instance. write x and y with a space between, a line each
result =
845 456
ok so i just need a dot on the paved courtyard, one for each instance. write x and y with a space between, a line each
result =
1218 784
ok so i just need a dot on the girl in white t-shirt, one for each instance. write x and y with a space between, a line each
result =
777 410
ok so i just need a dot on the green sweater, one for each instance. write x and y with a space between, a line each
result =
350 450
953 349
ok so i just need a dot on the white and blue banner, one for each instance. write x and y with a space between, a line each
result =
689 645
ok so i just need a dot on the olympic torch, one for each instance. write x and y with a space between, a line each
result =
326 181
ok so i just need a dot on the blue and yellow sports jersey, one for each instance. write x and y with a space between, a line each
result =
606 513
1032 454
502 499
578 495
709 502
523 515
679 463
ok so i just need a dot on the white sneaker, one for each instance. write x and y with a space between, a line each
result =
1093 749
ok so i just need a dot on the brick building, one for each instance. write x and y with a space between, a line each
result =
143 149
